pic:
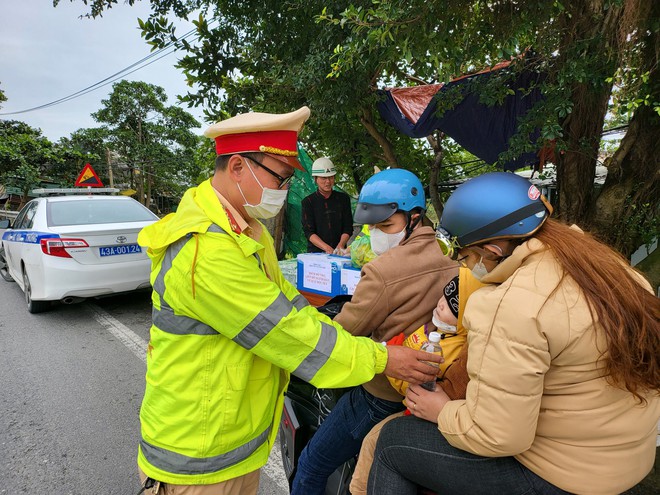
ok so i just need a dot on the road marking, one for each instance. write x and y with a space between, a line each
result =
274 470
136 344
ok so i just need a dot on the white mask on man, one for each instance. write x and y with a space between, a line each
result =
272 200
382 242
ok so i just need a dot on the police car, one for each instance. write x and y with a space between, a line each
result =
67 248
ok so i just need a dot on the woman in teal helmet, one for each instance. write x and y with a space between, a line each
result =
397 293
564 361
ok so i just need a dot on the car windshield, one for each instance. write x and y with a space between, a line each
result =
63 213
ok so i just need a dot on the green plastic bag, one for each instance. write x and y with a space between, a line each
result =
361 252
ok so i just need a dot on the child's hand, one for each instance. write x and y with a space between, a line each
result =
424 404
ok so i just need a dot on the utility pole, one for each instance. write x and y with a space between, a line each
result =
107 157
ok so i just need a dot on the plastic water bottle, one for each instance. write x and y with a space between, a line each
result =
432 345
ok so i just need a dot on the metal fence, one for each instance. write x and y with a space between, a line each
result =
8 214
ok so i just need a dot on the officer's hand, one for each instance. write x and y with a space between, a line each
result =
409 365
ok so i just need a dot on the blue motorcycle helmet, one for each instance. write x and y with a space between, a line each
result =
497 205
387 192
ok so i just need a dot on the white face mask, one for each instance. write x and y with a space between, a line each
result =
479 271
272 200
441 325
382 242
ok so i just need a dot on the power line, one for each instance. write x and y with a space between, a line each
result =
110 79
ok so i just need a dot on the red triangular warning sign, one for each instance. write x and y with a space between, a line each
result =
88 178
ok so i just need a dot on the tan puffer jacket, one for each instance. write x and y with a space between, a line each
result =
537 389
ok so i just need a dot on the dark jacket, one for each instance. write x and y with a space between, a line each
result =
328 218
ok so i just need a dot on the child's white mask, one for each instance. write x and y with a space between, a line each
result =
441 325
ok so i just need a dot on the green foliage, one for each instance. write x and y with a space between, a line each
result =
269 56
83 146
25 177
96 7
3 97
643 219
203 159
26 158
22 145
153 139
149 144
274 56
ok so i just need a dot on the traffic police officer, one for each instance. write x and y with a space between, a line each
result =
228 329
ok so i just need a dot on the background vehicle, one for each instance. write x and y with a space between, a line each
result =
67 248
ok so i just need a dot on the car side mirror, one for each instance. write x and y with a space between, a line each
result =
5 223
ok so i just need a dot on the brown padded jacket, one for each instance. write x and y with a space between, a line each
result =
397 293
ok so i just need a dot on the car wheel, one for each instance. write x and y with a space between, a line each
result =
4 268
33 306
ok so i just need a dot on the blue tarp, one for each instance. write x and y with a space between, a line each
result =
482 130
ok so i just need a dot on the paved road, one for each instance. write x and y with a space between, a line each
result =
71 384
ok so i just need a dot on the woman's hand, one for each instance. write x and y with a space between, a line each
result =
424 404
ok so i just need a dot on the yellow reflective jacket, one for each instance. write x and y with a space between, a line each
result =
227 331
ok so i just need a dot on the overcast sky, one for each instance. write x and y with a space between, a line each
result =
49 53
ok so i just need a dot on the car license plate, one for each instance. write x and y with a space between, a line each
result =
123 249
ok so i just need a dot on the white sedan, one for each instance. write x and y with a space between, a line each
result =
67 248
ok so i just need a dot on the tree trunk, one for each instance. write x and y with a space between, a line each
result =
625 214
140 184
576 168
436 144
356 178
149 182
591 31
109 161
367 120
628 203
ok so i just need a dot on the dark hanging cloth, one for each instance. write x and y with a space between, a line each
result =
482 130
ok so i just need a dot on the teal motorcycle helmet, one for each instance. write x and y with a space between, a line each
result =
387 192
497 205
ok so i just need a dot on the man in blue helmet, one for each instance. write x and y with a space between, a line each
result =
397 293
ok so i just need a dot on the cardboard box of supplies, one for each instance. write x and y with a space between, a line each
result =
320 273
349 278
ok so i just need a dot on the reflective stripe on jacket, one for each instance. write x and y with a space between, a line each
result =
227 331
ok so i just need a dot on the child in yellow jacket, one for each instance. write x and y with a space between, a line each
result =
447 319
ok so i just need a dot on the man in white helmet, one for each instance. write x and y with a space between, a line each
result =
326 214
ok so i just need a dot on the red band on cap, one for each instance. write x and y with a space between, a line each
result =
253 141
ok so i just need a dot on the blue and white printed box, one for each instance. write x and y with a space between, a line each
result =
320 273
349 278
